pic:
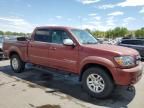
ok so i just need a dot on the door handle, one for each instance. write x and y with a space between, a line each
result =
52 48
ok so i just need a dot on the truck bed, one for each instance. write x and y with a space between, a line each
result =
11 46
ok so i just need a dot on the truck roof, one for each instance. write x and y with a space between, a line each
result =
55 27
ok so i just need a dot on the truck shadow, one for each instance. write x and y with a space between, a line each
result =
69 85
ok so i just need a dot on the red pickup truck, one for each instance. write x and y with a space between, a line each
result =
100 67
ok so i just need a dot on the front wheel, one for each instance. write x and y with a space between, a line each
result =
17 64
97 82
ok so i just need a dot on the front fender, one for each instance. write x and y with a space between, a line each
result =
97 60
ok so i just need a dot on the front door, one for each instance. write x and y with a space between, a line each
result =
61 56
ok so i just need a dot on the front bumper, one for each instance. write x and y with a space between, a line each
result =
128 76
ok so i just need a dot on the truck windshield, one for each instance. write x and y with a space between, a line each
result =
84 37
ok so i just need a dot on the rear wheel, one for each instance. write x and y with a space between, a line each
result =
97 82
17 64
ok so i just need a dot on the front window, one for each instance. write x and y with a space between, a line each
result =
58 36
84 37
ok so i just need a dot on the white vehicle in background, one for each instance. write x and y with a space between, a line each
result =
2 39
112 41
100 40
109 41
118 40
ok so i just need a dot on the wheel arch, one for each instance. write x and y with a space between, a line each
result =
13 53
89 65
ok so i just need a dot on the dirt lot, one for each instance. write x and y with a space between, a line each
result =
36 88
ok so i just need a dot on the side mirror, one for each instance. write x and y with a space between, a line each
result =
68 42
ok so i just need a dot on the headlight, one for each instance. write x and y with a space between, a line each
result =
125 61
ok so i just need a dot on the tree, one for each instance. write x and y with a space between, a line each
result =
98 34
8 33
124 31
1 33
120 32
109 34
140 33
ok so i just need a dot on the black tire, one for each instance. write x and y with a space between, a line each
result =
21 65
108 83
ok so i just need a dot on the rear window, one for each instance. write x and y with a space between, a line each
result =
43 35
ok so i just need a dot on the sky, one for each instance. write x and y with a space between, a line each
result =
25 15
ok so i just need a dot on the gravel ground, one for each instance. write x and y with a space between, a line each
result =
36 88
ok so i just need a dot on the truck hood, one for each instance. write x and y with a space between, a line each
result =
119 50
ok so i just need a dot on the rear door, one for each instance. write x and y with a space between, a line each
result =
61 56
38 49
